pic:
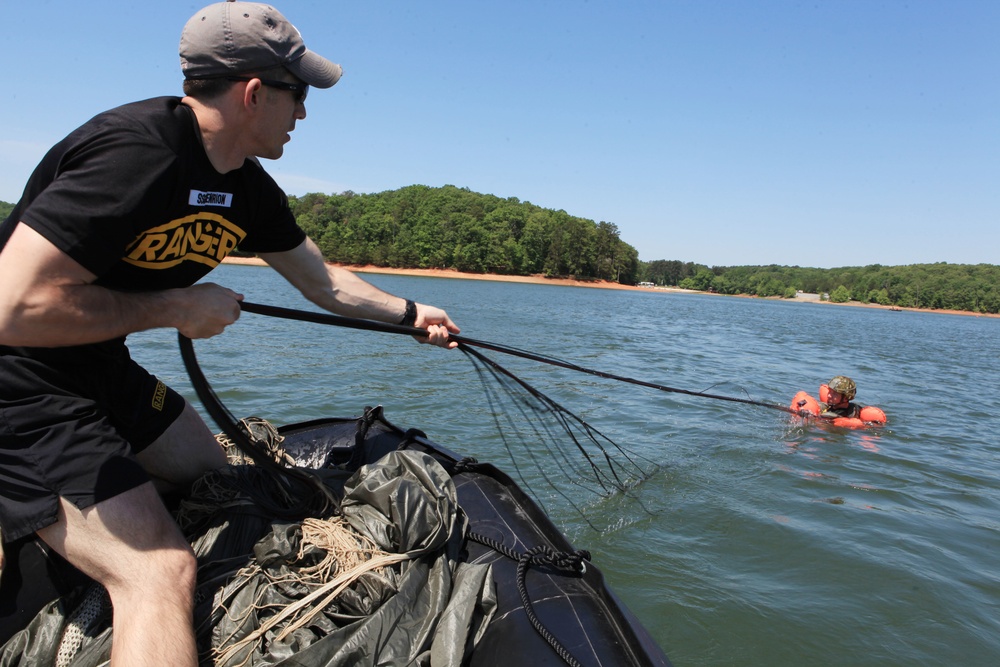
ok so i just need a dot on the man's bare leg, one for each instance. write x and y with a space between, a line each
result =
185 451
131 545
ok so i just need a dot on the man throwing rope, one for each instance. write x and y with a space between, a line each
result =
116 225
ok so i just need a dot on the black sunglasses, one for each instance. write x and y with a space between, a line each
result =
299 90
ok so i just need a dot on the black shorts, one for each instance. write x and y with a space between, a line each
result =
71 422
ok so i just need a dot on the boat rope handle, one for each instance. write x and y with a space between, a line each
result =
541 555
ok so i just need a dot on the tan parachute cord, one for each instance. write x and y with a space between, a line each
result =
240 579
345 548
333 588
349 555
270 440
208 496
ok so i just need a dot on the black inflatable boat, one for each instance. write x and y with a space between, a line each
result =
549 605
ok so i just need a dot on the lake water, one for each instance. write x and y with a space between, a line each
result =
758 540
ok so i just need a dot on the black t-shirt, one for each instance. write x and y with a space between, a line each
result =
132 197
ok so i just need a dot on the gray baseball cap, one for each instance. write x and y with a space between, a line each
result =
232 37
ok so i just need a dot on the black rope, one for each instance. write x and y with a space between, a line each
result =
313 497
540 555
598 458
371 325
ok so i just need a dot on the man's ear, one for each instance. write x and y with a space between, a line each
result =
251 93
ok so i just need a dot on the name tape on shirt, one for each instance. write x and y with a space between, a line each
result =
199 198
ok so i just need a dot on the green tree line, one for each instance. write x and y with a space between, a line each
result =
971 287
454 228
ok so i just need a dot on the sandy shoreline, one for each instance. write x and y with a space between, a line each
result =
598 284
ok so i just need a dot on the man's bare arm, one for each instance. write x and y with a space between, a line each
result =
49 300
342 292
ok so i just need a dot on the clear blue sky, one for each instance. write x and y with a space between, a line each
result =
733 132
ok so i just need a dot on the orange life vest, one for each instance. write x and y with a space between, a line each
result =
866 415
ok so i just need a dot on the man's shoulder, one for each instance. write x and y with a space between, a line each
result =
151 118
162 104
156 111
158 125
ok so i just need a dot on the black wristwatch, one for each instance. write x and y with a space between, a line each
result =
410 316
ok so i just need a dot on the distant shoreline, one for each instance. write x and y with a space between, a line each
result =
598 284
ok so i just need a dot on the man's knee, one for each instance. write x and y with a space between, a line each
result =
129 540
174 569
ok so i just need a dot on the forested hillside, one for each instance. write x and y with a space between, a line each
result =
454 228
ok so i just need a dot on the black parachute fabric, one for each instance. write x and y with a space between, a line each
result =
379 583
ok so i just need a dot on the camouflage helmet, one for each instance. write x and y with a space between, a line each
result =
843 385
